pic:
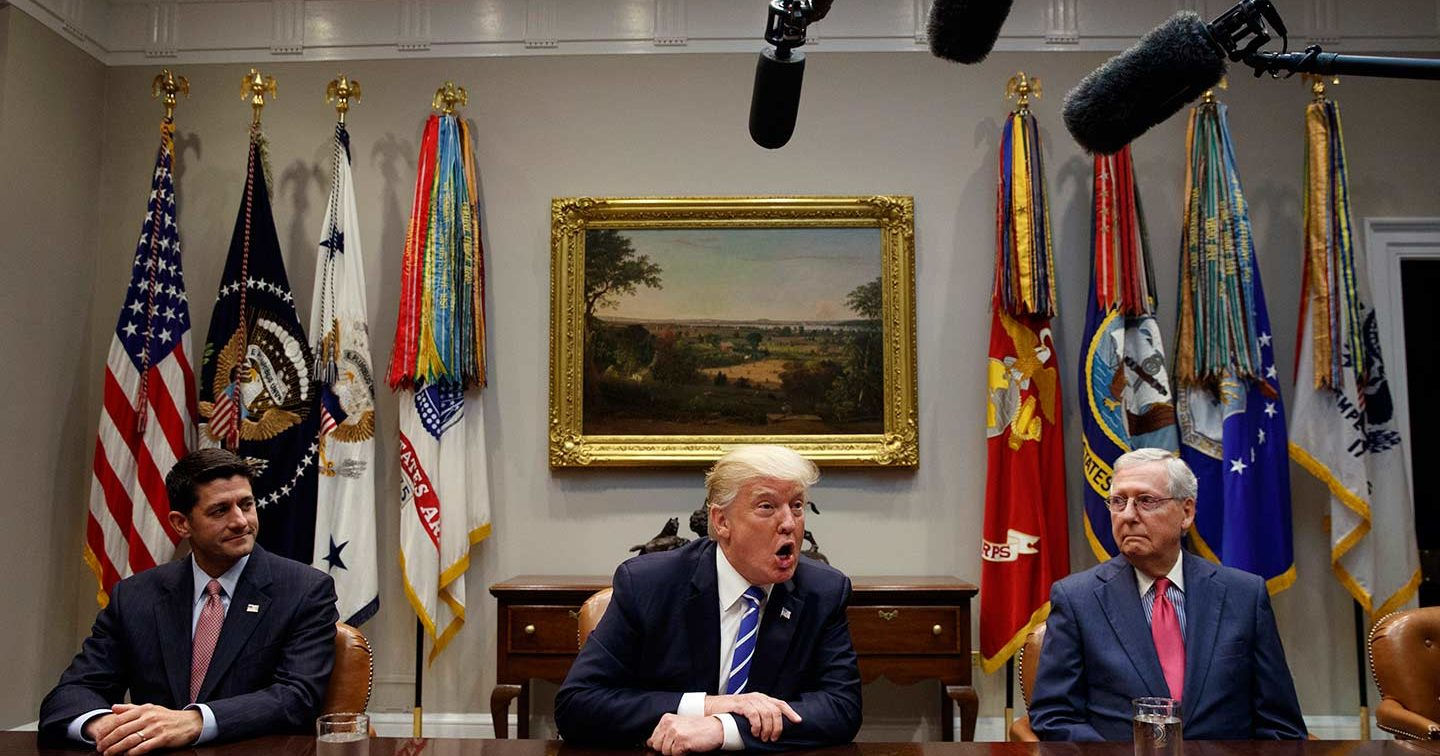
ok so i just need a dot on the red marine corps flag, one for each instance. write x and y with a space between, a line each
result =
1025 544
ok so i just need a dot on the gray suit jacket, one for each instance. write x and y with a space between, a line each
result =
270 666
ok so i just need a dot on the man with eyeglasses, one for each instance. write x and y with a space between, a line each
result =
1159 621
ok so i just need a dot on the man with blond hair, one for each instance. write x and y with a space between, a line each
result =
733 641
1157 621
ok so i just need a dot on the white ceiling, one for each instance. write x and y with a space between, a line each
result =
141 32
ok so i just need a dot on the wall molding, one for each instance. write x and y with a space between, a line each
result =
136 32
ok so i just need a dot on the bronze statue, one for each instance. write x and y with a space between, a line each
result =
668 539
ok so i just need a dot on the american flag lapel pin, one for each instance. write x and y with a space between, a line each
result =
784 613
252 608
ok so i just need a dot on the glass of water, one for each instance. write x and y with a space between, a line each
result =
344 734
1157 726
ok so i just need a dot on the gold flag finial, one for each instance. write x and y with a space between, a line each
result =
1316 83
166 86
448 96
340 91
1021 88
254 88
1209 97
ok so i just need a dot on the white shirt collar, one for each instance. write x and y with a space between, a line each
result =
1176 575
227 580
729 582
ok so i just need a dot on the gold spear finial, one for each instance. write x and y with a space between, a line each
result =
166 86
253 88
340 91
1316 83
448 96
1209 97
1021 88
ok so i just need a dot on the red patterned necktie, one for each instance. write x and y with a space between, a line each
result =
1169 644
207 631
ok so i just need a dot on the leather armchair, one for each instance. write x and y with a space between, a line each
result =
1405 659
354 673
1028 660
590 613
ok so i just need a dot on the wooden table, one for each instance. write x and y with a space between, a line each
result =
23 744
905 629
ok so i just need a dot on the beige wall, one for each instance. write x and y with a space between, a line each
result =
51 100
675 125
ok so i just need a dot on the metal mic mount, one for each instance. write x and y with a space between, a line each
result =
785 27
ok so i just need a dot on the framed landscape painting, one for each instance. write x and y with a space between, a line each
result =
682 327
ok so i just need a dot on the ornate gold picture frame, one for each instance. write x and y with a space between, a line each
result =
694 324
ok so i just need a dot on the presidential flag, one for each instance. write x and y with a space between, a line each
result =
1343 430
437 369
148 419
1232 422
1024 545
1127 402
261 401
345 381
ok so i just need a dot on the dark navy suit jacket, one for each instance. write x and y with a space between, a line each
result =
270 666
660 638
1098 654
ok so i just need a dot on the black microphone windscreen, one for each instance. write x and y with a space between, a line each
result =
965 30
776 98
1169 67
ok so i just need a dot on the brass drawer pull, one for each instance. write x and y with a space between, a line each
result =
936 630
889 614
529 629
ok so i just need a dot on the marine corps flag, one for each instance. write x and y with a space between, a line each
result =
258 398
1232 422
1126 401
437 369
1343 429
1024 546
345 381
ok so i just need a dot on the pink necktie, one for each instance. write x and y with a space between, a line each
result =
1169 644
207 631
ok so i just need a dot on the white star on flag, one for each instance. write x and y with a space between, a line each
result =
1269 409
1264 339
1237 466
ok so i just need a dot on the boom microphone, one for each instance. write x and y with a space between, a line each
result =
1169 67
775 100
965 30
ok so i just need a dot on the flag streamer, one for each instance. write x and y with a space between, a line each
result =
1025 266
1232 420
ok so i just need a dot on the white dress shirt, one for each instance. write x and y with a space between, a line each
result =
1176 594
731 588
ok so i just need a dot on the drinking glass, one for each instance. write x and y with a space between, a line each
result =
1157 726
343 734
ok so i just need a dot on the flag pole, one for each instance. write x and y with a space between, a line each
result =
419 676
1009 695
1360 683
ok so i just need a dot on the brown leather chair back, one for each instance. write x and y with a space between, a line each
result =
1029 662
354 673
590 613
1405 659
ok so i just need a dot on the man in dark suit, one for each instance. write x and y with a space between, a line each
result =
230 643
734 641
1160 622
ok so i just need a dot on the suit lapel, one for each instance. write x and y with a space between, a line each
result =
1120 598
1204 602
702 622
173 616
253 589
777 628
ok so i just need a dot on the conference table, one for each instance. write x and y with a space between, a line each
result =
23 743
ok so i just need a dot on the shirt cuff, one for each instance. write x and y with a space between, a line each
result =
732 732
208 729
76 730
692 704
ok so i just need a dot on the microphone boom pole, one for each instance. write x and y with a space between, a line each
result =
1314 61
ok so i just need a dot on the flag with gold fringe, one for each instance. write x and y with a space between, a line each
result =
437 368
1343 429
1024 545
1232 422
1126 399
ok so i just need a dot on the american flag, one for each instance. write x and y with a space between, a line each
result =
148 420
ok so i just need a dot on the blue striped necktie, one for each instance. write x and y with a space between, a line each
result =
745 639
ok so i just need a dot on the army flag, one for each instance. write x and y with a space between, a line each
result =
1232 422
1343 429
437 368
1024 544
148 419
345 381
260 400
1126 400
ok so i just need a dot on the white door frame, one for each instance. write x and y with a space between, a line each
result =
1388 242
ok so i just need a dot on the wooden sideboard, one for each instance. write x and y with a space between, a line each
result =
905 629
